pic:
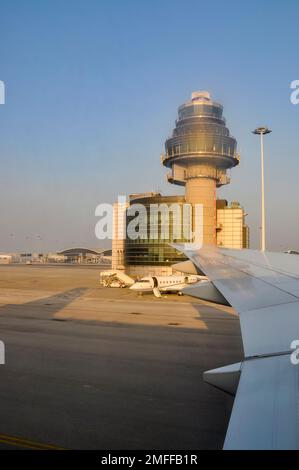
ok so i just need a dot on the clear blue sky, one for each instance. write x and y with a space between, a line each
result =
92 90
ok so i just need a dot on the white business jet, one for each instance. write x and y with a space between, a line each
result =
158 284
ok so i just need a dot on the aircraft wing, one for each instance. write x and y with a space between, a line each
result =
264 289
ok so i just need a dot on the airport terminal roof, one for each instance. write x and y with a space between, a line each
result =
85 251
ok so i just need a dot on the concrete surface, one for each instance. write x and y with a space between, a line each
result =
95 368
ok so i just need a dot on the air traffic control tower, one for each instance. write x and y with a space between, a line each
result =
199 153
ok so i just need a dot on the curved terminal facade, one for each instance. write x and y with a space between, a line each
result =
153 253
199 153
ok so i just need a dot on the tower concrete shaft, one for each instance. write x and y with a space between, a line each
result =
203 191
199 153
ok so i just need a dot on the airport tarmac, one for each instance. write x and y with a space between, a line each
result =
89 367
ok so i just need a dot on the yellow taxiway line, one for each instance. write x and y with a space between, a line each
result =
19 442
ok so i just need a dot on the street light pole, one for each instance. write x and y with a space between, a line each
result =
263 234
262 131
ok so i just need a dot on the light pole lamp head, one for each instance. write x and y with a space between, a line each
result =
262 130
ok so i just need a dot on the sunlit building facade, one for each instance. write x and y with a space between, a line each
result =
232 231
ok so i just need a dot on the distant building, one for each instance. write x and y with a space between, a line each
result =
6 258
232 231
31 258
54 258
79 255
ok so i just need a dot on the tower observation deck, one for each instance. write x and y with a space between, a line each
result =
199 153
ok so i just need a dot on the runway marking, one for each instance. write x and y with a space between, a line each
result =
19 442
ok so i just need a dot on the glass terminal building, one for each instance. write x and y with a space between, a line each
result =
162 228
